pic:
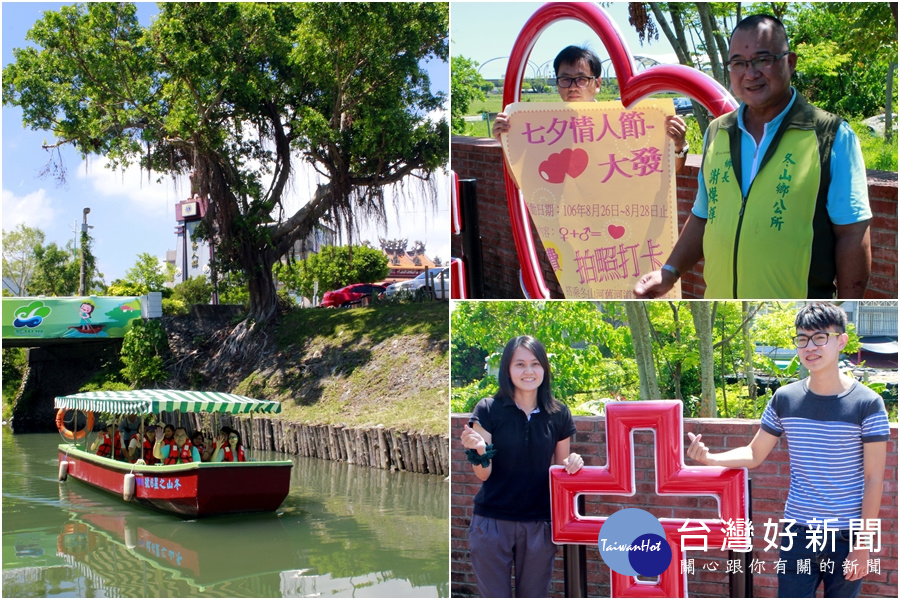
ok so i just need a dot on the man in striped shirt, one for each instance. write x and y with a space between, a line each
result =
837 432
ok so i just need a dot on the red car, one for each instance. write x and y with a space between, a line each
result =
352 294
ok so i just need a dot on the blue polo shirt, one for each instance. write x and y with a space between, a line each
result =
848 195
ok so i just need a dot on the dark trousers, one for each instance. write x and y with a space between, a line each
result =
826 566
497 546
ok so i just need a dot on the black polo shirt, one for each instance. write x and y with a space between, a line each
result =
519 486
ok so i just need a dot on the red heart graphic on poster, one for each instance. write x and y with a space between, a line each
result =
567 162
616 231
578 162
633 87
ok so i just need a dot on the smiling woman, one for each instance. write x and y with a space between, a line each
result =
511 441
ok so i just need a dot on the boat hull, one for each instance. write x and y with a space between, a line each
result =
189 490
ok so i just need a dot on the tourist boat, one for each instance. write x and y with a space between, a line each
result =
190 489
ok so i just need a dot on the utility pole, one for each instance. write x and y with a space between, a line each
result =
84 230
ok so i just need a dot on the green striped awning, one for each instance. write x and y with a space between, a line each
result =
142 402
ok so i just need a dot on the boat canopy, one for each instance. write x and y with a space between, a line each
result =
142 402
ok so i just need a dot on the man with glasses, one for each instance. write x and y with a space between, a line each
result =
837 432
782 208
578 80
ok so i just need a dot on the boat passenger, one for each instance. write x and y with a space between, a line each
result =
167 434
143 448
199 442
178 451
129 425
233 451
108 440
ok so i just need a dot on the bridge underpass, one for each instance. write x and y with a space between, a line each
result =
68 341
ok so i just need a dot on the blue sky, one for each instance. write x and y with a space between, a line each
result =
132 215
486 30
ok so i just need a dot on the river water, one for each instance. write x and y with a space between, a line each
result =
342 531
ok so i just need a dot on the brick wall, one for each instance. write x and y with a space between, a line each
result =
769 483
481 159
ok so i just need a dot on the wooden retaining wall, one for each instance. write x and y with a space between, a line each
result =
379 447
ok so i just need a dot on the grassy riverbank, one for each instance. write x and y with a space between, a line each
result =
384 364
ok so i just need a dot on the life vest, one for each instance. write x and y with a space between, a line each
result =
777 242
105 448
148 453
176 453
228 455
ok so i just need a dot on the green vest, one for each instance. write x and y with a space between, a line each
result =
777 242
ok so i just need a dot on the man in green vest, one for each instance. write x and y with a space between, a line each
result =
782 208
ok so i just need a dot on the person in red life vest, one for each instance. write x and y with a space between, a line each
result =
109 440
143 449
178 451
233 451
199 442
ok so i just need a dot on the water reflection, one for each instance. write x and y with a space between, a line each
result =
342 531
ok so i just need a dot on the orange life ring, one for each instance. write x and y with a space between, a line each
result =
61 425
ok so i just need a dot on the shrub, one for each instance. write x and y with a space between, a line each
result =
174 306
141 354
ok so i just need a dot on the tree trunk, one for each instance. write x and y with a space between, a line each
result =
676 374
749 375
700 311
643 349
263 299
709 40
674 34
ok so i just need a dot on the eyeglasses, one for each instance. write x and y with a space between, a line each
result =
581 82
759 63
819 339
233 437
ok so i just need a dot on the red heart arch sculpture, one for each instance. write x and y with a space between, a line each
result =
661 78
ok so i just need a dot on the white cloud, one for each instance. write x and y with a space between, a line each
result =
132 186
34 209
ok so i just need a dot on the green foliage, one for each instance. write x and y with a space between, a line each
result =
466 85
57 271
121 287
463 399
844 50
107 378
467 362
18 255
174 306
194 290
234 289
333 267
15 361
878 153
149 274
51 270
740 405
579 339
142 349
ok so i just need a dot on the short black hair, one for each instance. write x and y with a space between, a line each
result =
572 54
754 21
819 316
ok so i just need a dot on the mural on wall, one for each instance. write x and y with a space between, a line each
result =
78 317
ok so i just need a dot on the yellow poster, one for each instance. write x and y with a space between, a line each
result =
599 182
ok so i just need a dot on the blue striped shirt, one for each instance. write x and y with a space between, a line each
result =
825 436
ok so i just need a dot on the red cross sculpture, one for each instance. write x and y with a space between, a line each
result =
673 478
